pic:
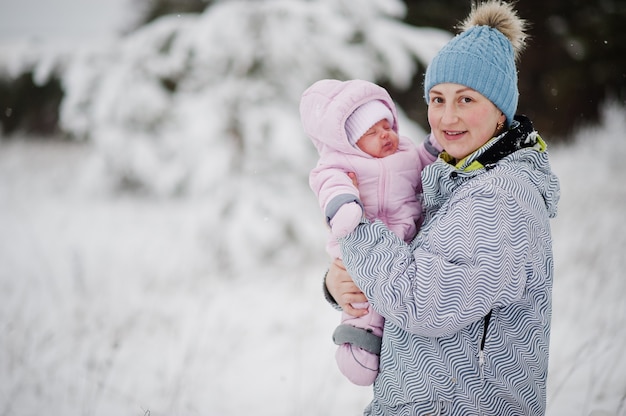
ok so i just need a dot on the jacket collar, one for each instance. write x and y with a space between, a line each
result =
520 135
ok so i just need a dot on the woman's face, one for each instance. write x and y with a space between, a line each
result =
461 118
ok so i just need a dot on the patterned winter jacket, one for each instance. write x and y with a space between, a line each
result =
485 247
388 187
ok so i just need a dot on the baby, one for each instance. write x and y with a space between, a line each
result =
353 124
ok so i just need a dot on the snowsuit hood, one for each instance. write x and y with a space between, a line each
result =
326 105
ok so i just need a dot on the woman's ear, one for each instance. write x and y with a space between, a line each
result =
500 125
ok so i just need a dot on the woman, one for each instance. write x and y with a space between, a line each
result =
467 305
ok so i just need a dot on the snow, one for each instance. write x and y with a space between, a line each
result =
170 262
588 365
177 106
65 20
107 307
108 302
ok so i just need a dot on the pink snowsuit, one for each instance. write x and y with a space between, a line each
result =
389 188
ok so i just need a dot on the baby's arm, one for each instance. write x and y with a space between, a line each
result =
346 219
338 198
429 150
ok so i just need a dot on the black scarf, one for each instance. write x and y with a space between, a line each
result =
517 137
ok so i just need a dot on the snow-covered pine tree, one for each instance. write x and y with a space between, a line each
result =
207 105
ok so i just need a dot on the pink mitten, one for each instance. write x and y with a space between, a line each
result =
346 219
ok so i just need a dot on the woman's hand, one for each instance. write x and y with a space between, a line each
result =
343 290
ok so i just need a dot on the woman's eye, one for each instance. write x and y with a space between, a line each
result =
466 100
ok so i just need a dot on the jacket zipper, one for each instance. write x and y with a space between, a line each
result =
481 351
382 187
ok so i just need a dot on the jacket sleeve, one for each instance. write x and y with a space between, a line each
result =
329 298
333 188
468 261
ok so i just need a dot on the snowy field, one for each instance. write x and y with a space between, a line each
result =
107 306
110 304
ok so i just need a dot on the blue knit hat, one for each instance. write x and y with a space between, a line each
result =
481 58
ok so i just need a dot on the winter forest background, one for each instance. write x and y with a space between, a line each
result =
160 250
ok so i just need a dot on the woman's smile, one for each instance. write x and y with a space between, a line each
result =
453 135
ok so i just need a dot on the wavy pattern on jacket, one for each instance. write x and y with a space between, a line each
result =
486 245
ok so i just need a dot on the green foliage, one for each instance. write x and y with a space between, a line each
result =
151 10
28 107
574 62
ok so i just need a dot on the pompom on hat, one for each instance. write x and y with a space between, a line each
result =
364 117
483 56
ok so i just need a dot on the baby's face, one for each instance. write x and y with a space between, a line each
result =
380 140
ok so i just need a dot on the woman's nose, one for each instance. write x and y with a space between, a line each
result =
449 114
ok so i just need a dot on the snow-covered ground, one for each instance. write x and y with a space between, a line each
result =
588 363
107 306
